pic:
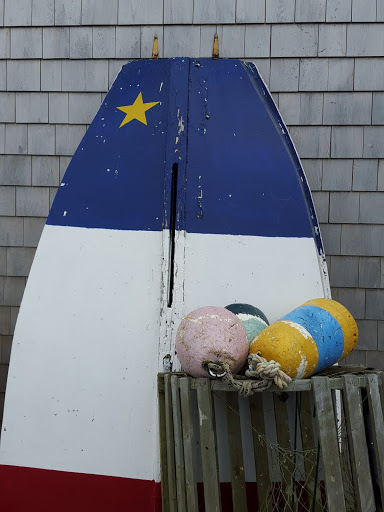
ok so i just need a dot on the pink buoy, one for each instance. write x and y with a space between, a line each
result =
211 334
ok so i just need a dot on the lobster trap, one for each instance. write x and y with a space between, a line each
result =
317 446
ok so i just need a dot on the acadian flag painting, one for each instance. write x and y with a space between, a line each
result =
185 191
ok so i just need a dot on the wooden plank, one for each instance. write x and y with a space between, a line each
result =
357 445
329 444
260 452
309 445
189 445
179 450
284 442
377 425
295 385
163 444
239 496
172 492
208 447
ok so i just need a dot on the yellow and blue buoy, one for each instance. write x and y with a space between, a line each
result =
310 338
253 319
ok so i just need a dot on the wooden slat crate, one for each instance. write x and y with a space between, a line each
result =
319 446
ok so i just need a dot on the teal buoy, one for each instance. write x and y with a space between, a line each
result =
252 318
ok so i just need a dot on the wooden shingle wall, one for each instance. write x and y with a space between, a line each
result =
322 59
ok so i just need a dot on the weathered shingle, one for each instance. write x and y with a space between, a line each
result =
31 107
345 271
16 139
364 174
313 169
321 203
18 70
347 108
294 40
347 142
338 10
249 11
284 75
127 42
373 141
214 11
341 74
5 43
310 10
83 107
232 41
33 227
32 201
367 334
313 75
58 107
380 176
19 261
372 207
141 12
7 201
331 236
332 40
353 299
378 108
41 139
67 12
11 228
362 240
56 43
181 41
177 12
280 11
26 43
104 42
15 170
51 75
68 137
43 12
45 171
337 175
364 10
369 272
80 42
99 12
344 207
311 141
13 290
8 107
369 74
365 40
375 304
257 40
17 13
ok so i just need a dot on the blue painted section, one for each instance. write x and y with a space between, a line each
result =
116 177
237 170
324 329
249 181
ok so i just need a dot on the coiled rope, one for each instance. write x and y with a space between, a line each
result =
266 373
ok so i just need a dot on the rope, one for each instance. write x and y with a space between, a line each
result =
259 367
266 373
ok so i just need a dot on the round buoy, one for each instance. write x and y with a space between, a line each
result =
211 334
312 337
252 318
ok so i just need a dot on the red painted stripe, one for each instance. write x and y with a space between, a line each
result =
40 490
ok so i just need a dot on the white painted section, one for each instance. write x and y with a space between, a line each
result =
81 392
94 326
275 275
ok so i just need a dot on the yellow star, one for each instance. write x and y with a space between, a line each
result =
137 110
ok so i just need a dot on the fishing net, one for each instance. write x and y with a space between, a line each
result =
290 475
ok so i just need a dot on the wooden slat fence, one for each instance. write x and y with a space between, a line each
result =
319 447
